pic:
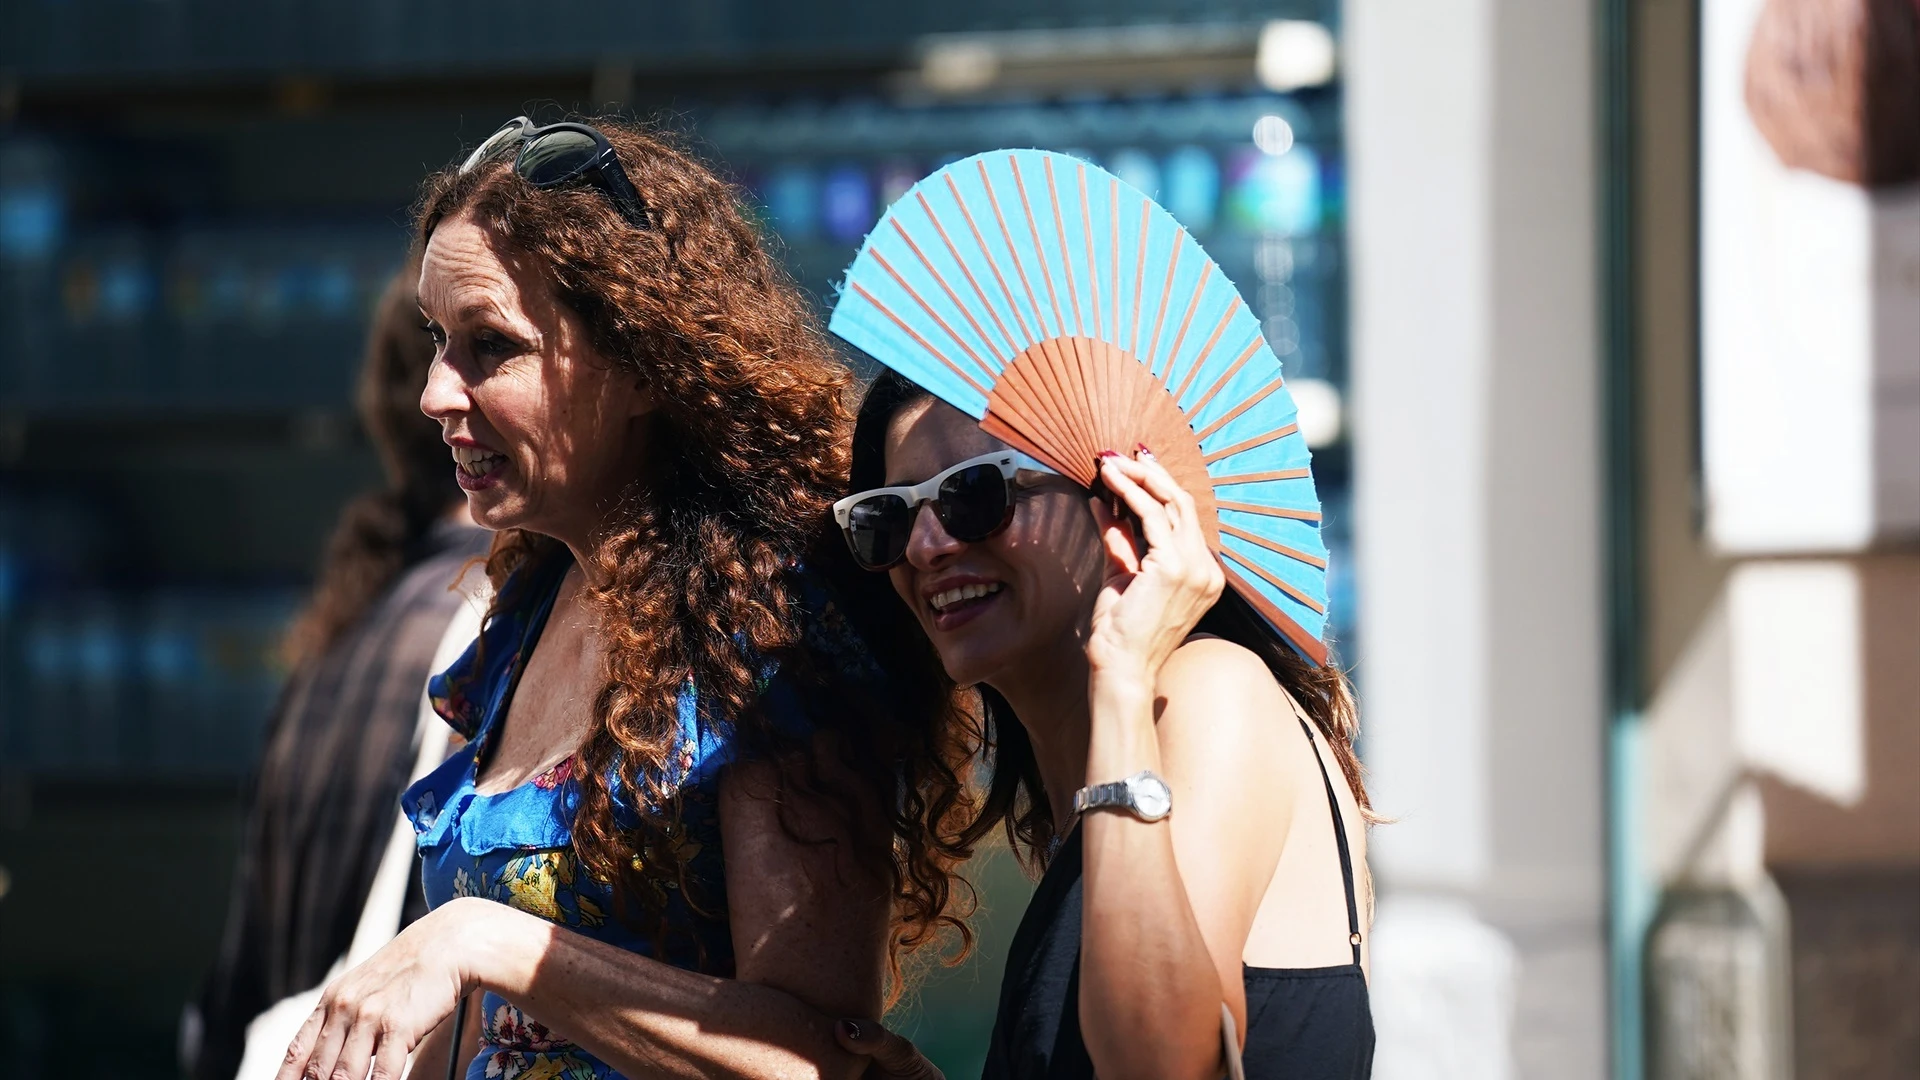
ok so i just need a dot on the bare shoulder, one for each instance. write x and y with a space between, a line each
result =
1210 674
1219 704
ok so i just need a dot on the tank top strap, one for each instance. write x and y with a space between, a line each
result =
1340 839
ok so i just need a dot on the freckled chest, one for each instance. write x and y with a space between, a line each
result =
551 710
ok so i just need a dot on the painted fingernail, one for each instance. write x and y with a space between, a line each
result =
1141 449
850 1029
1105 454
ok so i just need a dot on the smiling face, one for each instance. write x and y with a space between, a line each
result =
1001 609
545 432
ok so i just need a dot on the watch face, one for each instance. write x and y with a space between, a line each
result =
1150 796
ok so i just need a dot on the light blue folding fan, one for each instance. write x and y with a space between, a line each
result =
1070 314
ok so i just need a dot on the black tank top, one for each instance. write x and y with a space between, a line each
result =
1309 1023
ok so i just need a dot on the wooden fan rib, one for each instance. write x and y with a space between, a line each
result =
1159 320
1096 406
1076 375
1200 358
1276 581
1066 260
1310 646
1125 377
1033 376
901 281
1027 336
1064 367
1096 355
1139 278
1220 384
1048 420
1019 264
1069 367
1109 414
1256 441
1276 548
1093 412
1180 338
1262 477
965 311
998 427
1115 405
1258 396
915 335
1113 251
1014 397
1039 246
1186 322
1271 511
1093 266
1038 369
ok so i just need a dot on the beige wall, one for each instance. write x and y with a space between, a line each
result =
1762 756
1807 831
1682 579
1679 577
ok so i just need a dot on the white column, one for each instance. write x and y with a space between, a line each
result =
1471 127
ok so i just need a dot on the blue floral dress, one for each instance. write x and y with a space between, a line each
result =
515 847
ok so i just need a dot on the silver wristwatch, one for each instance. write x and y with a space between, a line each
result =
1144 795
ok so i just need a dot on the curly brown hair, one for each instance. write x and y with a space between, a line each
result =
748 451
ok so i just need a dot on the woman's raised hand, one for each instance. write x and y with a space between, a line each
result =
1148 603
372 1017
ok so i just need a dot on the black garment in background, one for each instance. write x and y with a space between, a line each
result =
1302 1023
326 795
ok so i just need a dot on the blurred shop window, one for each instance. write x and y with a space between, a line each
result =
1192 181
102 679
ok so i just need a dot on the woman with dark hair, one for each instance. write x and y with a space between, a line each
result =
1147 753
339 746
697 817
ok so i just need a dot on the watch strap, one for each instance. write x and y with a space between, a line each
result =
1128 795
1099 796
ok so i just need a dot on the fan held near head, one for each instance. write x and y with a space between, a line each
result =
1070 314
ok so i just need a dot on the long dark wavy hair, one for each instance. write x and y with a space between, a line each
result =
380 532
1015 798
748 451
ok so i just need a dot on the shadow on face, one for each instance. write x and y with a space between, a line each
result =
1014 606
545 432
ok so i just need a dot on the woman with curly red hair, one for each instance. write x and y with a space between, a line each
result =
697 817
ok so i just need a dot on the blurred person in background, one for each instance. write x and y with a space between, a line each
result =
341 741
697 818
1238 879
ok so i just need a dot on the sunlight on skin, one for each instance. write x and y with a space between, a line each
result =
515 374
1048 561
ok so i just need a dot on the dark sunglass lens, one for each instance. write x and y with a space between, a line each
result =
557 156
973 503
877 530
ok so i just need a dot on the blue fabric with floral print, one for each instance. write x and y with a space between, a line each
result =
515 847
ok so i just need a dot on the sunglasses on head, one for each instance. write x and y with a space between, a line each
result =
973 500
561 154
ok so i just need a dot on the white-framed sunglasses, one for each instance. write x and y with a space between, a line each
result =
973 500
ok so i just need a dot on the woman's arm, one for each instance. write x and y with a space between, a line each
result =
1167 905
809 929
809 926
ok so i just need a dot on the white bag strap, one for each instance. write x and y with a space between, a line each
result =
387 899
269 1033
1231 1040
